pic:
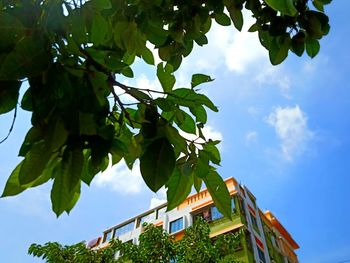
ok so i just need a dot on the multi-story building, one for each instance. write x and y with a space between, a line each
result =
265 240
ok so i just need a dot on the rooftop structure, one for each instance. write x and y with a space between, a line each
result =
265 240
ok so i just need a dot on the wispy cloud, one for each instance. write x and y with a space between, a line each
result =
275 77
251 136
34 202
290 124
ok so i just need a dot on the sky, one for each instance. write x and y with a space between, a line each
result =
285 135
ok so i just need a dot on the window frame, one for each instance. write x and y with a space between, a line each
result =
116 235
261 253
105 235
178 230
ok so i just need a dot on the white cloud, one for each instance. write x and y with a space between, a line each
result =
210 133
235 51
120 179
159 198
291 127
251 136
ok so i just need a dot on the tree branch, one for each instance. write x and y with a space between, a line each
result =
12 124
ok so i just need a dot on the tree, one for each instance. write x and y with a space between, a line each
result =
72 54
155 245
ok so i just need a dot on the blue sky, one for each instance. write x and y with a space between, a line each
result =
284 131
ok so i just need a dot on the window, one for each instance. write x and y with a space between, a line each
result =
233 204
249 240
148 218
124 229
176 225
107 236
261 255
215 214
254 222
241 202
161 212
209 214
273 241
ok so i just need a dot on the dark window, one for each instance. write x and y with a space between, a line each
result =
254 222
261 255
176 225
249 240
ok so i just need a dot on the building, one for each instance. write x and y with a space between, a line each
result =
265 239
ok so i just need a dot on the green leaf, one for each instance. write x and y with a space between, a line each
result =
212 152
178 188
312 47
197 182
139 95
87 124
265 39
198 79
9 92
127 72
200 113
318 5
74 199
236 16
29 58
166 77
129 37
147 56
13 186
189 98
175 138
202 40
102 4
67 181
74 167
56 135
99 29
11 29
202 166
34 163
165 104
219 193
286 7
156 34
253 28
298 44
222 19
279 49
185 122
157 163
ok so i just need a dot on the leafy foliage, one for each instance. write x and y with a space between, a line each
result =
155 246
73 54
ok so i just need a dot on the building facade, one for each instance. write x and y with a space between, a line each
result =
265 240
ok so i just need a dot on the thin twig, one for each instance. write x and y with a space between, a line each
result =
12 125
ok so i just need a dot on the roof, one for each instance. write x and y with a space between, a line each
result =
277 224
